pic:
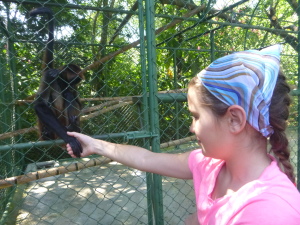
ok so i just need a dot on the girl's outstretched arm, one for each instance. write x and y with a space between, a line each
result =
171 165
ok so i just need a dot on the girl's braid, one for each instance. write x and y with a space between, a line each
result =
279 113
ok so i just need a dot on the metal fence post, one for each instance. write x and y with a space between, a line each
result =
153 108
7 96
298 98
145 104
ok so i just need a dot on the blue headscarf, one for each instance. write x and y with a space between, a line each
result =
246 79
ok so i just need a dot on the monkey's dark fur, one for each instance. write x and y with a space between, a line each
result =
57 104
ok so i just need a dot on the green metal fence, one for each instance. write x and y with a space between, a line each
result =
139 57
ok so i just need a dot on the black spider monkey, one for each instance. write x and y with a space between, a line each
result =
57 104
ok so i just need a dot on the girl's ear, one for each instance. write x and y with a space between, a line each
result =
236 118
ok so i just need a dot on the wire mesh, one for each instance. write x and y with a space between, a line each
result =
112 41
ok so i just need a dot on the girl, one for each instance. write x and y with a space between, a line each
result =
238 103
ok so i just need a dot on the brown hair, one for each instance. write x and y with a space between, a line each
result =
279 113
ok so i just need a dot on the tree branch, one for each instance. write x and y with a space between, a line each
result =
134 44
292 40
294 4
180 4
124 22
220 13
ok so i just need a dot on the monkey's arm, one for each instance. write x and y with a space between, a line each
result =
48 118
72 106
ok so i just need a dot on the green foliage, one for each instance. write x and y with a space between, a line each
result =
83 35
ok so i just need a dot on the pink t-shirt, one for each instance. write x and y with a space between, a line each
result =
272 199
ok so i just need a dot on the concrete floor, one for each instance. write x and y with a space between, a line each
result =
109 194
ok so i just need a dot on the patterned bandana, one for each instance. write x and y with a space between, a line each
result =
246 79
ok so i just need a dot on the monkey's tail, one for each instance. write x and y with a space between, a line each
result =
48 57
49 13
41 10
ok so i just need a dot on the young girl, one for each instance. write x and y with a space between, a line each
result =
237 103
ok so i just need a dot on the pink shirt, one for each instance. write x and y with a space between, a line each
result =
272 199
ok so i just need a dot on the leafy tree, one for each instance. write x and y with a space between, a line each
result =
93 31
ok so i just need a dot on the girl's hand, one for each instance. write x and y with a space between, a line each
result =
87 143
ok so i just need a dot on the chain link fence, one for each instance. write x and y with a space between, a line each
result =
138 57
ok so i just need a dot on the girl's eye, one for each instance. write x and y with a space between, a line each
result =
195 117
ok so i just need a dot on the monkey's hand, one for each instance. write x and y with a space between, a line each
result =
74 124
53 73
75 145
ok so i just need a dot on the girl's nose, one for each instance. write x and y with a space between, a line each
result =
192 128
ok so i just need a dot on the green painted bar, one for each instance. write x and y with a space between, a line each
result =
144 106
125 135
298 119
153 104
